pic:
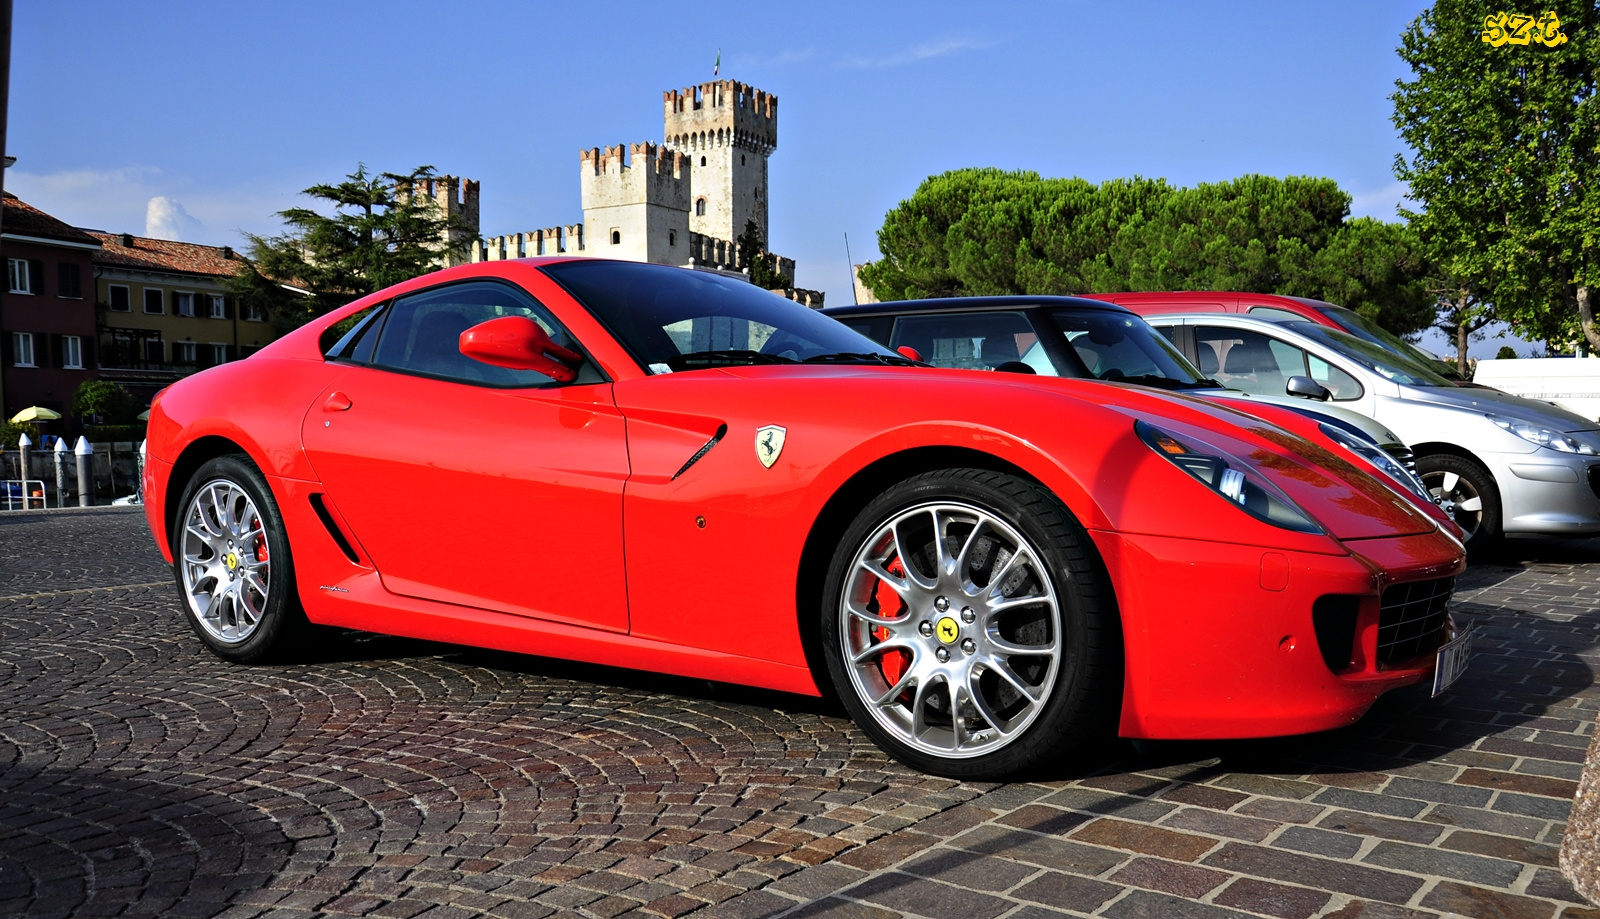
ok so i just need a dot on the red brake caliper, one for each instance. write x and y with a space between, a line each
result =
892 663
260 546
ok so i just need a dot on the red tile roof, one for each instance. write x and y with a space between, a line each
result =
23 219
165 255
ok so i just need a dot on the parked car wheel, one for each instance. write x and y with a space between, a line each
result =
969 626
232 563
1467 492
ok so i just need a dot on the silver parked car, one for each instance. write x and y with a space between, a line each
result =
1500 464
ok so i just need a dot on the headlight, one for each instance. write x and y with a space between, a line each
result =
1234 481
1374 454
1544 437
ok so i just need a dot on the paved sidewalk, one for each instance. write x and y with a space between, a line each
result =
139 776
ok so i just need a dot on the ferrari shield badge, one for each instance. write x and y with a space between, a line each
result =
769 443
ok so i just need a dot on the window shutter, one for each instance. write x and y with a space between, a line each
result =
231 352
7 348
89 343
202 355
36 276
51 346
174 303
227 307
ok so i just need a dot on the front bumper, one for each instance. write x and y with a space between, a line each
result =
1220 639
1548 492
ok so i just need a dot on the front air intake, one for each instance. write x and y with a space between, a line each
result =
1334 618
1411 620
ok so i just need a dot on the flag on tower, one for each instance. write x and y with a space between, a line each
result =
717 67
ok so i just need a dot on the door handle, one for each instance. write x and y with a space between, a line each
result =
337 402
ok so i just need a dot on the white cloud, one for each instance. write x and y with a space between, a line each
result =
916 53
165 218
1383 203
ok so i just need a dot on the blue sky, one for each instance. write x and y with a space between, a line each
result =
205 118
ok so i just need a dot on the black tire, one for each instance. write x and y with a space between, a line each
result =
1471 480
281 621
1075 707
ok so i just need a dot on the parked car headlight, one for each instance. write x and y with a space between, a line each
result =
1544 437
1374 454
1228 477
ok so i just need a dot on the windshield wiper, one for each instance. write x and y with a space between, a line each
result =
863 357
724 358
1150 379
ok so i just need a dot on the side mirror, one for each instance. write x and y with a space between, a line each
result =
1308 388
910 352
518 343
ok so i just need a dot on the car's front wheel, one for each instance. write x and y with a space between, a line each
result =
969 626
1467 492
232 563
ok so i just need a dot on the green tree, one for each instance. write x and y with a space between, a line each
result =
1506 353
111 401
763 265
11 432
1372 267
379 233
1505 164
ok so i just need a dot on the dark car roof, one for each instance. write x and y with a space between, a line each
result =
960 304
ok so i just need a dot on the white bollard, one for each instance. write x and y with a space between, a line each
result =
85 482
61 475
25 448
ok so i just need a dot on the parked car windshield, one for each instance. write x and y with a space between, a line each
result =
1123 348
672 319
1378 359
1362 327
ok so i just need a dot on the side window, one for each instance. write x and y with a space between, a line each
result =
1275 314
1246 360
352 338
422 333
976 341
1343 386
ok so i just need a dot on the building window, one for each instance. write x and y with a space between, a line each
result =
702 161
18 274
219 354
152 300
183 352
72 352
120 301
672 238
71 278
616 237
182 304
155 351
254 313
218 311
699 207
22 349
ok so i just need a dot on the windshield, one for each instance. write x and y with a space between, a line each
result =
673 319
1123 348
1377 358
1362 327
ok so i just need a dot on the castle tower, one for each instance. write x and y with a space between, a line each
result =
727 130
635 208
456 198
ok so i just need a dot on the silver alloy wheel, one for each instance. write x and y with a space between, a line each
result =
1457 497
227 570
952 643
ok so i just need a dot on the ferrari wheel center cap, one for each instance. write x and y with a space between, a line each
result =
232 560
947 629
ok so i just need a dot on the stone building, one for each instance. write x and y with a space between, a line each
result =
683 202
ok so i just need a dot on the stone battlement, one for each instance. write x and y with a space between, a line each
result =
725 255
455 198
634 173
566 240
722 112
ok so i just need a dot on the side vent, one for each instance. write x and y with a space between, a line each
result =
333 530
1334 618
722 430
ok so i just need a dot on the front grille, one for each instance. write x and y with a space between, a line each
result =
1404 457
1412 619
1594 480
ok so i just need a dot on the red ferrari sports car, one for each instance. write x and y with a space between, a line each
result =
670 470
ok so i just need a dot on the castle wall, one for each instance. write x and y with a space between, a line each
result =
636 203
728 129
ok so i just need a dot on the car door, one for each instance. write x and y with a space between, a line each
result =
1256 362
471 484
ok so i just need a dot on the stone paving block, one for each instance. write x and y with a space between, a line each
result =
1272 899
1210 822
1318 842
1142 904
1467 900
1066 891
1034 849
1370 803
1150 840
1170 877
928 898
832 908
1421 860
1331 875
968 869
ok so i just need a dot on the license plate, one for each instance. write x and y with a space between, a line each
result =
1451 661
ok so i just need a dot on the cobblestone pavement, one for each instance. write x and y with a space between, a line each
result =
139 776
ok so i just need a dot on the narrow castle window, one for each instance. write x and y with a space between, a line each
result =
616 237
741 159
700 207
672 238
702 161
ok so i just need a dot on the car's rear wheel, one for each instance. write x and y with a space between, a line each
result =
1467 492
232 563
969 627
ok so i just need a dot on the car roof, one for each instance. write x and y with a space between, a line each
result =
967 304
